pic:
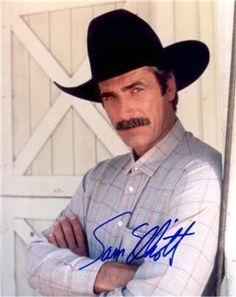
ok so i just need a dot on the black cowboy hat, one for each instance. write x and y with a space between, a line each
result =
119 41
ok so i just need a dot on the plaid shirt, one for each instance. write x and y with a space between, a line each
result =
178 178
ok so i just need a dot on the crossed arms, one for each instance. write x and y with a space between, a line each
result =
68 233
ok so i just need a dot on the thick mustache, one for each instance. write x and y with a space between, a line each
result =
132 123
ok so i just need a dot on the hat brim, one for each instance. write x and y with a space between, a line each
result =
187 59
87 91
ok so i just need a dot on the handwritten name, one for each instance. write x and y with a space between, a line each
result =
153 244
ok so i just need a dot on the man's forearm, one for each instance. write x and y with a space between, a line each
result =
113 275
68 233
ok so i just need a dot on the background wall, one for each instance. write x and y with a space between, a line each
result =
225 12
52 139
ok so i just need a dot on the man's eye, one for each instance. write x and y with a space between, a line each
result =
137 90
107 98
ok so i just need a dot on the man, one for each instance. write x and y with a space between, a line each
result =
145 223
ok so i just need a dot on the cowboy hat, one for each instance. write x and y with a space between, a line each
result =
120 41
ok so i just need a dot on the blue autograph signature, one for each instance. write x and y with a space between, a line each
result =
147 245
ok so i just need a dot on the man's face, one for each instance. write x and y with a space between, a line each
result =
137 109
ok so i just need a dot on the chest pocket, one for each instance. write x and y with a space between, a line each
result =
139 234
128 243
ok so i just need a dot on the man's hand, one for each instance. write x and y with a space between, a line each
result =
113 275
68 233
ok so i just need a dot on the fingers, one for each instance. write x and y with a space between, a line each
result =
52 239
80 237
68 232
59 236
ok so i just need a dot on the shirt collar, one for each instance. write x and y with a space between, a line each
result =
152 159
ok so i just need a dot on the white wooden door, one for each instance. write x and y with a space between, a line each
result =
51 139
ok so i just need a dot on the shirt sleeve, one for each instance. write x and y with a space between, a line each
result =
196 198
54 271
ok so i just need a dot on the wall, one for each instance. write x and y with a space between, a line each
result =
225 11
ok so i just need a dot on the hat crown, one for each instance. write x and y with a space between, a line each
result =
119 41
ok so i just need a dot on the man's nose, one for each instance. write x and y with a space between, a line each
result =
126 107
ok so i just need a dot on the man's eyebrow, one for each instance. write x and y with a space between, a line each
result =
125 88
106 94
133 85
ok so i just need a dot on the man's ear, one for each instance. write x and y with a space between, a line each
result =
171 88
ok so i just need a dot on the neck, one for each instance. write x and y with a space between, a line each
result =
136 156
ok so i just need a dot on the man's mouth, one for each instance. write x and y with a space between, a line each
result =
132 123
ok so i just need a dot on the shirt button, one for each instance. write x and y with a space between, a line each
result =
135 169
131 189
120 223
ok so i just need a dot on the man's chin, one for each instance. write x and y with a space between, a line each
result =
134 141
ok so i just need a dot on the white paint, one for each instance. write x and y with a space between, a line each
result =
41 186
40 136
38 51
24 231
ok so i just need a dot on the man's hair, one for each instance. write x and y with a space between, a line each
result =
162 77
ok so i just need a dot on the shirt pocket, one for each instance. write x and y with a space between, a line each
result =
133 242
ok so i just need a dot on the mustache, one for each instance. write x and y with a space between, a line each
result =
132 123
